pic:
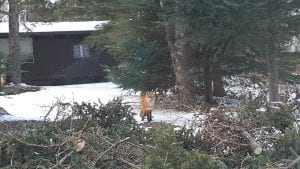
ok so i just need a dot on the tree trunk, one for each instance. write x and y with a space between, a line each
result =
218 88
14 47
208 86
271 61
182 56
184 76
273 79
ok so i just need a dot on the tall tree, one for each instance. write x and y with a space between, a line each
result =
14 46
217 38
278 23
178 36
137 42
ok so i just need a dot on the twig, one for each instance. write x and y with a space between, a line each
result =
165 161
49 111
129 163
62 160
85 126
224 140
242 163
107 150
297 160
39 145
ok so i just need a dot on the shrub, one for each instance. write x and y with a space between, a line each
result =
169 153
280 118
98 139
288 145
115 116
190 139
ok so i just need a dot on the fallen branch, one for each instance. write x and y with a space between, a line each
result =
254 146
296 161
107 150
39 145
59 163
129 163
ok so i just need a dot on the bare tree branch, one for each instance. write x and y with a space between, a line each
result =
62 160
129 163
296 161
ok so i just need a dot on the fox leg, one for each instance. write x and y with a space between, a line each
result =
142 115
149 115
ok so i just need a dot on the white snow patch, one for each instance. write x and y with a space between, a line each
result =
35 105
169 116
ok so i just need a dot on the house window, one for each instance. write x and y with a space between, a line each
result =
26 49
81 51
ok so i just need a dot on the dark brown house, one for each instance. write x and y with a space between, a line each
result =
54 53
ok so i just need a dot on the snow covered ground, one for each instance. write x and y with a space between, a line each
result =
34 105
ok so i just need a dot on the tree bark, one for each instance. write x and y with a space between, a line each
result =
271 61
182 56
208 86
273 79
218 89
14 46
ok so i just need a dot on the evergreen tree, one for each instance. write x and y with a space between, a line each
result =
136 39
278 24
215 38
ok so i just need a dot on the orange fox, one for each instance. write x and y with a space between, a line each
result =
146 108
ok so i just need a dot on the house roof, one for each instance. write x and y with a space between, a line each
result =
48 27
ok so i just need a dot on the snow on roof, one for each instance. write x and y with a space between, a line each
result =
40 27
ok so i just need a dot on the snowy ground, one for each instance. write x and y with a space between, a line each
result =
34 105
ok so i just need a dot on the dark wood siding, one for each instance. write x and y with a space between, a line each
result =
54 62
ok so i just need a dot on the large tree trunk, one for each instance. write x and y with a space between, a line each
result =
14 47
182 56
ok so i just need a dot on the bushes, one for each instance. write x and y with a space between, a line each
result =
288 145
114 116
169 153
280 117
105 136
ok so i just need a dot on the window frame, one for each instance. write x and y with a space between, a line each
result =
28 57
81 51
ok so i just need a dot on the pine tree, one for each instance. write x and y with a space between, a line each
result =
136 39
276 23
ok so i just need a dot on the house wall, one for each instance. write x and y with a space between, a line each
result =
54 61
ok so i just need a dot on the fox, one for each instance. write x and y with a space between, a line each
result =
147 100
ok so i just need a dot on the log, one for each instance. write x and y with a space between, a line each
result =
255 147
